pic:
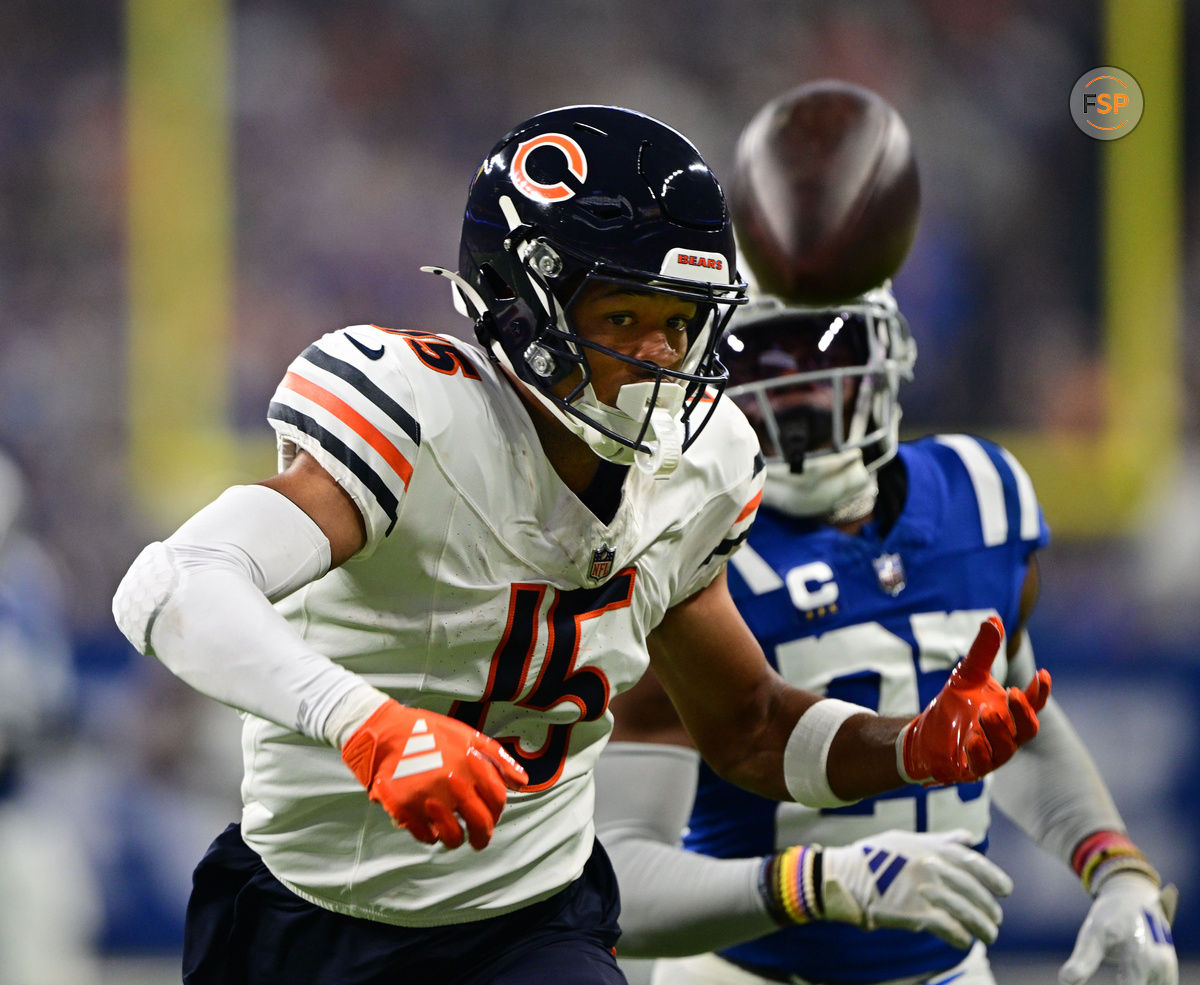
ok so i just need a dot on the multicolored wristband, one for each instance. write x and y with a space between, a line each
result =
789 881
1101 854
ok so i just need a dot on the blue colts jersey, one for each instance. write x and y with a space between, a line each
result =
878 619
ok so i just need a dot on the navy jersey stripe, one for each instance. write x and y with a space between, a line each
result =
343 453
727 546
350 374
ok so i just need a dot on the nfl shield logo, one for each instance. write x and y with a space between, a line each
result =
890 571
602 561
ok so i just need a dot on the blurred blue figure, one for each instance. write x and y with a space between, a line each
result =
49 910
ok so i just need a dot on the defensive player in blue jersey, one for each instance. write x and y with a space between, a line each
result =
864 577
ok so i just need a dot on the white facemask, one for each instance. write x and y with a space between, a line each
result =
664 437
835 488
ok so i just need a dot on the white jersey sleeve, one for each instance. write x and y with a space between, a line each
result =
351 411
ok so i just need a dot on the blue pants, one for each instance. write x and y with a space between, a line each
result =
244 927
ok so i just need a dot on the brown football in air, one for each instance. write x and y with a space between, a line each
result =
825 193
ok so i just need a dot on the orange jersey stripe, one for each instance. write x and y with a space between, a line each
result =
749 508
354 420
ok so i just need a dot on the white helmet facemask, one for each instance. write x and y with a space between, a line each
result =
648 414
836 488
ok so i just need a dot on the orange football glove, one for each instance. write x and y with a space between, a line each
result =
974 725
424 768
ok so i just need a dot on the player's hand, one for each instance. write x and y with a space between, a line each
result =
424 769
1128 924
974 725
932 882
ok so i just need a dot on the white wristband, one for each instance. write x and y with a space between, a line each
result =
351 711
805 757
900 758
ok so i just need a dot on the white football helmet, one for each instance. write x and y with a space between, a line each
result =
821 381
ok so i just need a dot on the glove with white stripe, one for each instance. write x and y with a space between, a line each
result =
931 882
424 768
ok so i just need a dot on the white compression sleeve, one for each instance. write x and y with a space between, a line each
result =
201 602
673 902
1052 789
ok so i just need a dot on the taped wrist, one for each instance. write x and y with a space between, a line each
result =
351 712
790 882
806 755
1106 853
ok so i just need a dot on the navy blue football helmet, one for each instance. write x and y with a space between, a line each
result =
598 192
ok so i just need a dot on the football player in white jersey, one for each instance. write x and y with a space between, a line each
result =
864 577
466 553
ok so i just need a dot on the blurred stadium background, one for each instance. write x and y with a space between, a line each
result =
192 190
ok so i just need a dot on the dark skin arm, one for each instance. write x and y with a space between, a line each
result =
706 664
709 680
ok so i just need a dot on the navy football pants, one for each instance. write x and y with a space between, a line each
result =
245 928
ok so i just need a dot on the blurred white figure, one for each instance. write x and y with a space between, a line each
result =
49 901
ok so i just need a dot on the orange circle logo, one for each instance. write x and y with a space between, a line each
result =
1106 103
537 190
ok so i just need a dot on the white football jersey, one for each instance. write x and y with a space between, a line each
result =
486 591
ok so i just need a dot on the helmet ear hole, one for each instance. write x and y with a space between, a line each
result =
515 324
